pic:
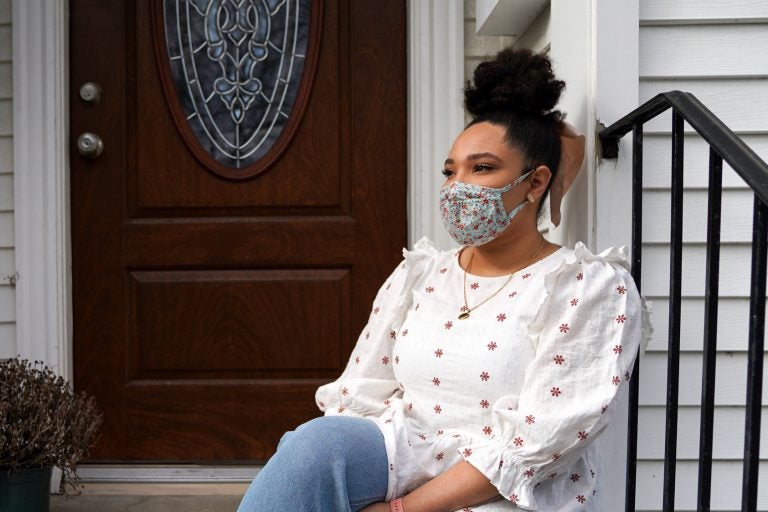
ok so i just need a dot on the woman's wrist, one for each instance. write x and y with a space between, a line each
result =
396 505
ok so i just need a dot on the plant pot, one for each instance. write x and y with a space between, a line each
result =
28 490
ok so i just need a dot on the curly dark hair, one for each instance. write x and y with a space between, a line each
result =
519 91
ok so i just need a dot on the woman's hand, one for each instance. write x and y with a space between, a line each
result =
380 506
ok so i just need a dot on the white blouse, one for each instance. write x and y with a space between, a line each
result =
520 389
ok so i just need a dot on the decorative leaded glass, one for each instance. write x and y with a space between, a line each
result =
237 66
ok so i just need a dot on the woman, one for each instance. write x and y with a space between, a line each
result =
485 373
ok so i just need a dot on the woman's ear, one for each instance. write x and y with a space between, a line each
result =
540 180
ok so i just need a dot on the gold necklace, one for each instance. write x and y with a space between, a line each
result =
467 310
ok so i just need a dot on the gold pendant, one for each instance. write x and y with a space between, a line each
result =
464 315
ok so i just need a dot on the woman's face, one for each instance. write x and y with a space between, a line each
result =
480 155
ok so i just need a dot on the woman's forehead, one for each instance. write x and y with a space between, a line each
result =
483 138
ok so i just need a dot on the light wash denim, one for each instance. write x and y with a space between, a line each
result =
329 464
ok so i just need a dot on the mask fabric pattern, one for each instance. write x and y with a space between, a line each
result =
475 215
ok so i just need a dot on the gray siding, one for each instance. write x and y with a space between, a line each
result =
719 52
7 265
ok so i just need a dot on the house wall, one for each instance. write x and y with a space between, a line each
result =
7 264
719 52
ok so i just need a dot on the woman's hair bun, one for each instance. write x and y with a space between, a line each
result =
516 82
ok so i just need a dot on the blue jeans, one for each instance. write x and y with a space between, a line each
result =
329 464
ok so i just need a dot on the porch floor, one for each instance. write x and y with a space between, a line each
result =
222 497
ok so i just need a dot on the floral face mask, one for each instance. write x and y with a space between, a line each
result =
475 215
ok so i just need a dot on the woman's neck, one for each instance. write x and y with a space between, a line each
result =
506 255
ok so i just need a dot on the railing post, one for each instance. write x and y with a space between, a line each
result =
637 245
710 330
755 360
675 286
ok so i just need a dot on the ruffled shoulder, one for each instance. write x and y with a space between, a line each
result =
415 263
582 270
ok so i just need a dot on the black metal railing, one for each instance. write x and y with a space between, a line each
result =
723 145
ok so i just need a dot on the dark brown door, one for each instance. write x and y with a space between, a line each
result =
211 301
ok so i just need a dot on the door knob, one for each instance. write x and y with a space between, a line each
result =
90 92
90 145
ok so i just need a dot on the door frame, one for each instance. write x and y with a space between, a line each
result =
41 145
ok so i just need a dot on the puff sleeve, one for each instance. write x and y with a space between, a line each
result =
367 385
586 335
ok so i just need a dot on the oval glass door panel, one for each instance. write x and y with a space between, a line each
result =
236 68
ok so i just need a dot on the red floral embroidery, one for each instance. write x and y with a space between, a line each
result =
552 475
615 380
387 402
467 452
436 381
484 404
556 456
511 295
580 276
385 360
530 419
430 289
501 317
582 435
357 360
558 359
463 309
367 335
492 345
621 289
344 391
485 376
529 472
440 456
474 286
575 477
439 352
404 333
448 324
574 302
392 334
376 310
514 499
617 349
555 391
417 306
580 498
564 327
603 409
422 437
397 359
518 441
340 409
526 276
443 270
621 319
438 409
487 430
627 376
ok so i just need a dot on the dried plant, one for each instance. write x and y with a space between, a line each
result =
42 421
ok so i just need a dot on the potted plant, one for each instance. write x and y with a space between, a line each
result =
43 424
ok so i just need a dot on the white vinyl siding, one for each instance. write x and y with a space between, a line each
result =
719 52
7 265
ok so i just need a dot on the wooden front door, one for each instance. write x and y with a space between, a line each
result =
213 294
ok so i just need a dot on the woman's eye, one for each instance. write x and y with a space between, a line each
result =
447 173
483 167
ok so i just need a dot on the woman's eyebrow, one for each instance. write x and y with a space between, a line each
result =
475 156
480 156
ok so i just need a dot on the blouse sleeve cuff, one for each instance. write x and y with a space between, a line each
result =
506 472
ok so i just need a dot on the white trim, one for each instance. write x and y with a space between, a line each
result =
41 186
187 473
435 111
